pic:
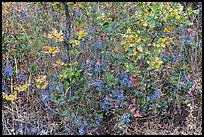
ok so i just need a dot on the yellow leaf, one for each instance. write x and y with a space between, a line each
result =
139 57
10 97
145 24
17 88
157 66
177 16
126 48
4 95
54 54
45 85
57 61
15 94
147 51
163 45
43 78
77 42
158 60
128 30
79 4
135 53
102 16
74 63
58 6
25 86
162 40
38 86
98 18
138 40
166 30
71 41
140 48
175 11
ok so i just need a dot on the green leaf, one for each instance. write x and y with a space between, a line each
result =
60 101
66 84
121 125
73 81
61 9
93 124
100 115
65 113
136 92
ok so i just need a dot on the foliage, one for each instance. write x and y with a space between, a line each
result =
127 57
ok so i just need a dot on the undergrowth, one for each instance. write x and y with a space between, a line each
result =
130 68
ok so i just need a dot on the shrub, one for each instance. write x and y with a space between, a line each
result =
125 60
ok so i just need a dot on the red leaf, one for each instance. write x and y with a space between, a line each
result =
138 114
135 81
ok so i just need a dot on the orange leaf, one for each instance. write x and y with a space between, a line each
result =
167 3
47 48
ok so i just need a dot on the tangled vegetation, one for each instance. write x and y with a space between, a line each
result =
101 68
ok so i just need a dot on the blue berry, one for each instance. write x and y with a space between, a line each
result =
156 95
46 97
9 70
49 87
99 84
104 65
4 89
93 30
82 43
81 131
55 78
58 54
121 97
107 89
21 76
124 78
23 15
126 118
